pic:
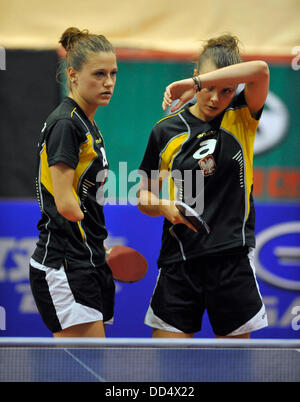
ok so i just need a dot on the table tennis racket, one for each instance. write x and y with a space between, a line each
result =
193 217
127 264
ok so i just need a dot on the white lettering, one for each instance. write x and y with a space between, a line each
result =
2 319
207 147
296 320
105 163
296 60
127 392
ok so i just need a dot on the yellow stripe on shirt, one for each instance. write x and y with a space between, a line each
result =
87 154
45 176
167 157
243 126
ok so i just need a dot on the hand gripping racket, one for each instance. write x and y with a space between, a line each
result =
193 217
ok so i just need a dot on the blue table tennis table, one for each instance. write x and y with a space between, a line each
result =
148 360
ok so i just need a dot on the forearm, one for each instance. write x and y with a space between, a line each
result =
150 204
68 207
254 74
65 197
235 74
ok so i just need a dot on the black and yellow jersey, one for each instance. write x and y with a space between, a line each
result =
222 152
69 137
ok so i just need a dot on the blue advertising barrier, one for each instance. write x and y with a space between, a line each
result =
277 268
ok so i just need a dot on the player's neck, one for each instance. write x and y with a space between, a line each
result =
197 112
88 110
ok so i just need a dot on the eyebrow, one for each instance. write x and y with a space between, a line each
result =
102 69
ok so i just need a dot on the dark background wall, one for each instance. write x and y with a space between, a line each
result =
28 91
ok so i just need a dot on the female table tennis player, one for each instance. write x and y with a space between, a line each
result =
71 283
198 270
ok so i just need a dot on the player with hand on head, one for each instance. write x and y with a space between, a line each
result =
209 269
72 285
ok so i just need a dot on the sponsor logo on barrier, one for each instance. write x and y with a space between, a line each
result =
279 267
286 257
14 258
296 320
282 319
14 268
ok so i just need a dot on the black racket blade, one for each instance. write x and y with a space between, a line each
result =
193 217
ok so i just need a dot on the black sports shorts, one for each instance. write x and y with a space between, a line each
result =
67 297
224 285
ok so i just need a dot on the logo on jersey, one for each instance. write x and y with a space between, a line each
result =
207 165
204 134
205 158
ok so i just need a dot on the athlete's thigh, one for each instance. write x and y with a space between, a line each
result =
232 294
90 329
178 298
159 333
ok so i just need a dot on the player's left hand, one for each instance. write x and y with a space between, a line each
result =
184 90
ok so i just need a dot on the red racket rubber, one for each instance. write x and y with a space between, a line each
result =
127 264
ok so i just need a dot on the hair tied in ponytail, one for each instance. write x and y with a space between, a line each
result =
71 36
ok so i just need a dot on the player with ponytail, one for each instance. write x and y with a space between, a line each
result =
212 136
72 285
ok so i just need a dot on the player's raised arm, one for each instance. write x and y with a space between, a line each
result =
255 74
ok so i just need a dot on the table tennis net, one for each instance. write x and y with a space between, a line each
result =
145 360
